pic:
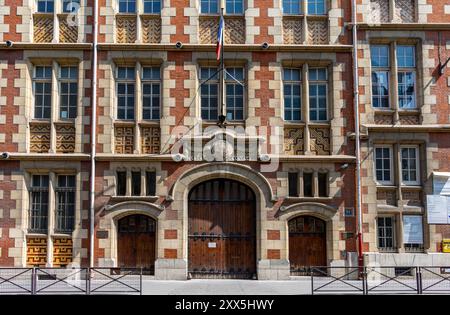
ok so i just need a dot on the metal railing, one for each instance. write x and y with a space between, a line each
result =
380 280
38 281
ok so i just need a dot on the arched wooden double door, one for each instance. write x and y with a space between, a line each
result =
222 230
307 244
136 242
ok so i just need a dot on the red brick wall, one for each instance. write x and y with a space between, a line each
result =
7 185
10 109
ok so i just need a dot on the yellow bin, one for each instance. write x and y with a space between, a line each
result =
446 245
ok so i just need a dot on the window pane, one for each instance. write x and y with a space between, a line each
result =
379 56
308 184
293 184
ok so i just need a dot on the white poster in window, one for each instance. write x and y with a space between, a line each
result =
412 229
441 184
438 209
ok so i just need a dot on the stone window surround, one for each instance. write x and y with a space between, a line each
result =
128 183
304 16
230 63
57 14
393 77
391 162
244 8
51 221
399 246
138 14
55 119
315 183
395 228
305 122
304 8
396 172
138 109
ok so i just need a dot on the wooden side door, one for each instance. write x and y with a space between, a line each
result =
307 244
136 243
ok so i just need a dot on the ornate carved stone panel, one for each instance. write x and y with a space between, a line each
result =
405 11
62 251
39 138
409 119
383 119
292 31
151 140
320 140
318 32
234 30
65 138
294 141
67 33
125 29
151 29
387 197
124 142
379 11
412 197
43 28
36 251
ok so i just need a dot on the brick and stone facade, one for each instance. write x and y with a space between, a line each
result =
55 146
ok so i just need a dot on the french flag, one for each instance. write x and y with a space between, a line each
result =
220 38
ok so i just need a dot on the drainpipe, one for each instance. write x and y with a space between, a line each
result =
357 133
93 136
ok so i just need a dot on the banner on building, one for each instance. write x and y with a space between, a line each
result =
412 229
438 209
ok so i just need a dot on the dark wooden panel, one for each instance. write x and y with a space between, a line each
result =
136 242
307 243
222 228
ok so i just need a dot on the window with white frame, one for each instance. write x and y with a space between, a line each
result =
125 92
209 78
379 56
291 7
42 82
127 6
410 165
152 6
316 7
234 6
209 6
383 164
234 93
38 214
386 232
292 94
45 6
69 6
151 93
406 76
318 94
68 89
65 204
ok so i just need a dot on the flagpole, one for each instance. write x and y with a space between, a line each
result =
221 69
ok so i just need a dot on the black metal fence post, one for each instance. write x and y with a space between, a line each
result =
140 283
88 280
364 281
312 281
419 280
33 281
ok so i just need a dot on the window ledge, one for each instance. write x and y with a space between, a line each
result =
298 199
61 234
33 234
386 186
134 198
412 187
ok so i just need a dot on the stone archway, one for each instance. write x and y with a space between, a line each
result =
176 268
108 226
323 238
